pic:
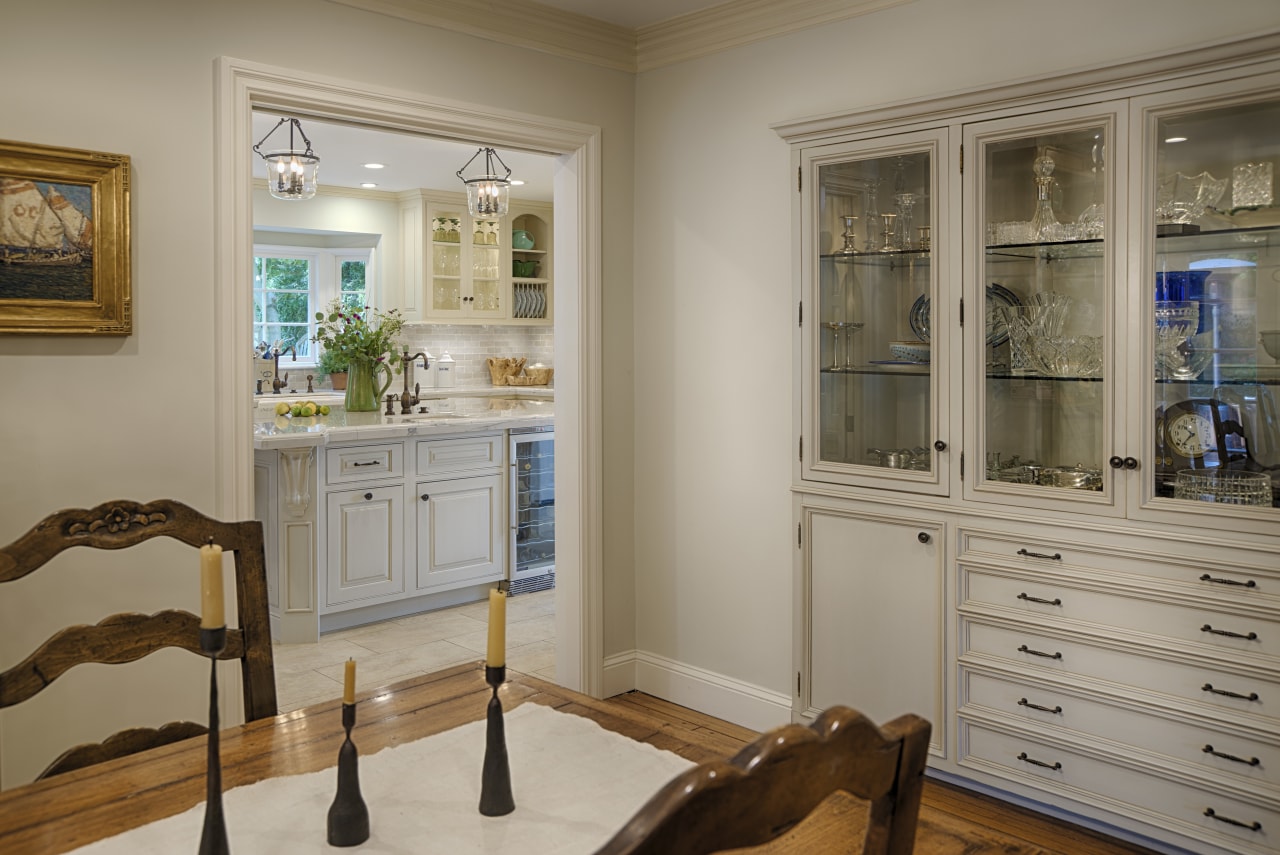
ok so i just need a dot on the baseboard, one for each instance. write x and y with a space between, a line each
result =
619 674
742 703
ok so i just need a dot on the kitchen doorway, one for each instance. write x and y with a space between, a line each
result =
244 87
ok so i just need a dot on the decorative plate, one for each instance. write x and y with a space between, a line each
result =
997 296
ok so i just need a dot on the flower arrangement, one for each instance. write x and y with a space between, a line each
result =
349 333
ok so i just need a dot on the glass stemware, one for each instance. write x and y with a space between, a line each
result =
906 203
1092 218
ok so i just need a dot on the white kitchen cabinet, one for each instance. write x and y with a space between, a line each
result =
1069 382
365 557
460 533
872 631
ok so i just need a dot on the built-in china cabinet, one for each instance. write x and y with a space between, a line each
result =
1037 441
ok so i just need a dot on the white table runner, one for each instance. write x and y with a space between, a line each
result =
575 784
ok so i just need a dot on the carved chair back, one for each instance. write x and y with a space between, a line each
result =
128 637
779 780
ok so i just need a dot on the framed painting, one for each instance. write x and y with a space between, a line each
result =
64 241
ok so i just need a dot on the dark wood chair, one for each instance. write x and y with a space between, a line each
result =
779 780
129 637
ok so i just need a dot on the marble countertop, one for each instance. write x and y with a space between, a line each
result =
469 411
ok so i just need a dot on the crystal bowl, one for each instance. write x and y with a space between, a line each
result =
1068 356
1270 343
1183 198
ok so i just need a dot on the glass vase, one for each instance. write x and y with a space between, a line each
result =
363 389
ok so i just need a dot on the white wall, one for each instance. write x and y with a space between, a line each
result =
714 535
85 420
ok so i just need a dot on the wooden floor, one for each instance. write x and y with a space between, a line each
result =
953 821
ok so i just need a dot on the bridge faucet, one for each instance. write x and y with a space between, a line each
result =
278 382
409 399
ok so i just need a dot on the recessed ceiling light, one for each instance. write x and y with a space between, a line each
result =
368 185
374 165
516 182
1175 139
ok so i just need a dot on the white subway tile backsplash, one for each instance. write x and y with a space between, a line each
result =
470 346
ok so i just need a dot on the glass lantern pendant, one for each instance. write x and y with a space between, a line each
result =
488 195
291 173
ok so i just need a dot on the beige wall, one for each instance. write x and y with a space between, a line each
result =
714 189
90 419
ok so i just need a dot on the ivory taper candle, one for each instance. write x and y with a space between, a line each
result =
497 656
212 610
349 683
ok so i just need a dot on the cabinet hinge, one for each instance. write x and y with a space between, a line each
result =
962 466
962 311
802 449
799 536
799 177
962 160
800 315
797 684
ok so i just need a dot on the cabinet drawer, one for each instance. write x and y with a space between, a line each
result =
440 457
1200 683
1131 789
1176 616
1248 757
1249 574
363 463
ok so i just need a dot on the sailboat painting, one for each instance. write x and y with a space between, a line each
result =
46 240
64 241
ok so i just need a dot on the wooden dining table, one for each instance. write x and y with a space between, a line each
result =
72 810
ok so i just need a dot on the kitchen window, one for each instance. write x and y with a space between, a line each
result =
291 284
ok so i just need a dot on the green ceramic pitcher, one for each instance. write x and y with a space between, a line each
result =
363 391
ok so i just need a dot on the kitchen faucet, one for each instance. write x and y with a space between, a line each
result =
407 399
278 382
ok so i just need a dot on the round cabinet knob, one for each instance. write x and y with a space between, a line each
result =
1131 463
923 537
368 496
426 497
1116 462
939 445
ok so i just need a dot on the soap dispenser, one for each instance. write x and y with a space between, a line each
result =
445 376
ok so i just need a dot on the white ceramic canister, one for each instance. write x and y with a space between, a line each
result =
428 380
445 375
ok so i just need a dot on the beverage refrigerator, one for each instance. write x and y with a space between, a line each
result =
533 510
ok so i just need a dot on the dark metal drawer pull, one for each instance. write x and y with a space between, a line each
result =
1057 556
1034 762
370 463
1208 687
1253 636
1252 761
1026 703
1025 649
1207 578
1030 599
368 496
1252 826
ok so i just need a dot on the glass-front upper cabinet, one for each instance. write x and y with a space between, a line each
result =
1040 308
1210 304
871 333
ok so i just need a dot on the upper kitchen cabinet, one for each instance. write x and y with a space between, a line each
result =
477 270
1207 297
873 318
1042 378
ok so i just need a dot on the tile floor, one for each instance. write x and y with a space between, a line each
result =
418 644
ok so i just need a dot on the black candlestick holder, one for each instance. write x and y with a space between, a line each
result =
213 841
348 815
495 780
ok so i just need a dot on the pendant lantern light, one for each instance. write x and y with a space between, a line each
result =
291 172
488 195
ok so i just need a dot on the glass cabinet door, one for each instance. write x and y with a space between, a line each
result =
871 386
1042 282
1212 306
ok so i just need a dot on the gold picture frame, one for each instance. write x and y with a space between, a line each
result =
64 241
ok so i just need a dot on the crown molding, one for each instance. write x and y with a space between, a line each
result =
519 23
527 24
740 22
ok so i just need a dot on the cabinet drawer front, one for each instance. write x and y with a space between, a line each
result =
1227 633
1131 789
1205 744
1236 581
439 457
1201 683
363 463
